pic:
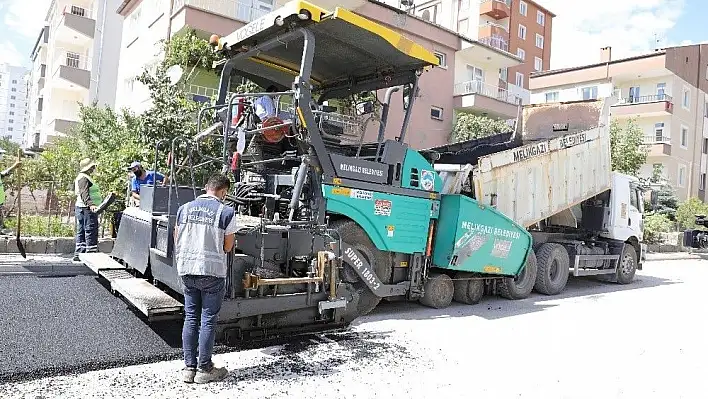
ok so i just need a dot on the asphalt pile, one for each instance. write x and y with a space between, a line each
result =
64 325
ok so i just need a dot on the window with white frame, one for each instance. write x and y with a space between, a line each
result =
442 59
539 41
589 93
522 32
464 5
521 54
702 182
659 133
686 101
519 79
537 63
523 8
436 113
504 75
704 148
463 26
474 73
684 136
682 175
552 97
540 18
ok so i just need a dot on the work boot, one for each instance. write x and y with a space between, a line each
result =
214 374
76 258
188 374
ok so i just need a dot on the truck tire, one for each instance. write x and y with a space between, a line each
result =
437 291
628 265
468 292
553 269
520 287
380 261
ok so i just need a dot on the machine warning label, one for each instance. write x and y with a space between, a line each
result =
361 194
390 230
501 248
427 180
382 207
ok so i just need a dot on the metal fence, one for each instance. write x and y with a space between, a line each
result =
44 214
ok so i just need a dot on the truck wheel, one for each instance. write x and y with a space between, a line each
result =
438 291
380 262
553 269
520 287
627 265
468 292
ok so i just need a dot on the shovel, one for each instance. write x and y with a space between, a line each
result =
20 246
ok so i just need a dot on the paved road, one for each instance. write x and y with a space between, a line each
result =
645 340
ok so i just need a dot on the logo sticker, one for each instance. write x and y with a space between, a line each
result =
382 207
501 248
427 180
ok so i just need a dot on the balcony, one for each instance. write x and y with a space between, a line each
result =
220 17
74 24
71 70
659 145
654 105
497 9
480 98
497 42
493 30
62 126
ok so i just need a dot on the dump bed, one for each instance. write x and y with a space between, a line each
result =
564 159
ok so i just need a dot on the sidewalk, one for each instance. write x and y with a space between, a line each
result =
41 265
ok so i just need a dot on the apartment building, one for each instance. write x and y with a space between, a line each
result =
520 27
13 102
666 91
466 81
73 62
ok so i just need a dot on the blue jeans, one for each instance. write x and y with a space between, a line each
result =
203 296
86 231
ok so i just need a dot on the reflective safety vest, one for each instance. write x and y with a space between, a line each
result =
94 191
199 249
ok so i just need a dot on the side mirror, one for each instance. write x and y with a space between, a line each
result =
364 108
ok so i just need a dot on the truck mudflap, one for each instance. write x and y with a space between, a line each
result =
366 273
473 237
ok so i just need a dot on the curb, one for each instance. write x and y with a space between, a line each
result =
46 271
43 245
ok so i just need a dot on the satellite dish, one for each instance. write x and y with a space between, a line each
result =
174 74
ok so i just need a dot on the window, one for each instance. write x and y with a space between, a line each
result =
589 93
14 82
684 136
552 97
539 41
686 103
704 150
13 89
522 7
436 113
702 182
681 175
705 109
520 79
660 91
633 199
537 63
72 59
11 120
12 112
540 18
12 105
504 75
521 54
13 98
634 94
442 59
9 129
522 32
463 26
474 73
659 132
464 4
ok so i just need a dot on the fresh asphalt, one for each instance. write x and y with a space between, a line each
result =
62 325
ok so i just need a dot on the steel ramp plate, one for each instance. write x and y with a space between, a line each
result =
97 261
147 298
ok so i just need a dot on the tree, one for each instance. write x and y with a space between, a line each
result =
470 126
667 202
687 211
628 151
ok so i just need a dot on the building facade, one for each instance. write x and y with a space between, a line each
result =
666 92
466 81
13 102
530 37
73 62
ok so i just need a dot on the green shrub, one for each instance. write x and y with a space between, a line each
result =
653 225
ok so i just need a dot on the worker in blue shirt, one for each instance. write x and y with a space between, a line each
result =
140 177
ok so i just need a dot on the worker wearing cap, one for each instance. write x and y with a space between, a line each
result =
88 198
141 177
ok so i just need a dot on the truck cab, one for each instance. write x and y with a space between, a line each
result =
625 213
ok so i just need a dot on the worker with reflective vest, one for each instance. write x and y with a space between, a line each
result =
3 175
88 198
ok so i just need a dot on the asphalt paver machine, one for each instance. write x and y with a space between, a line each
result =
329 224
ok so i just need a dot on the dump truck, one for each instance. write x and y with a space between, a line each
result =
330 225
